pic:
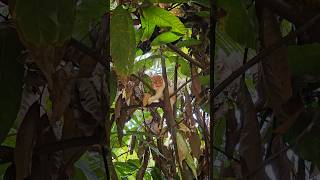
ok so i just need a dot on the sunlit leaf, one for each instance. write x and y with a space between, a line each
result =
165 38
163 18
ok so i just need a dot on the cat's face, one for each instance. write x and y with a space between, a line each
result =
157 81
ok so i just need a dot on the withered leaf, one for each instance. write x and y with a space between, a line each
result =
195 144
26 137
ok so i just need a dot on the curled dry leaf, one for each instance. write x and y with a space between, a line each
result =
275 77
26 137
183 150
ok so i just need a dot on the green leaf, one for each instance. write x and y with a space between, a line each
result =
184 67
188 43
204 80
240 23
304 60
148 27
147 63
164 38
123 42
164 19
88 12
79 175
191 164
11 75
127 168
45 22
219 131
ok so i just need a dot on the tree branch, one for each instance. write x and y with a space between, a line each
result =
186 56
263 54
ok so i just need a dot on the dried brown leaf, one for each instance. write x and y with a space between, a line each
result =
195 144
250 140
26 137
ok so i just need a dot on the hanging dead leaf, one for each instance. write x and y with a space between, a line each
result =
195 144
124 116
182 148
26 137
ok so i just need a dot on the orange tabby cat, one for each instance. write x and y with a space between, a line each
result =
158 85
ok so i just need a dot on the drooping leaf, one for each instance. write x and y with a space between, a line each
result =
26 138
88 13
127 168
240 22
148 26
165 38
122 41
182 148
163 18
11 74
191 165
45 22
195 144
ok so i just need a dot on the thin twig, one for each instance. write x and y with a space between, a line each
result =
168 110
186 56
263 54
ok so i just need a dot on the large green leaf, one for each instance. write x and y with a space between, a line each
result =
304 59
88 13
127 168
11 74
163 18
123 41
164 38
46 21
240 23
